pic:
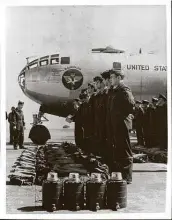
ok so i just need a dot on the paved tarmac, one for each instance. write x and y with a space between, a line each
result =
147 193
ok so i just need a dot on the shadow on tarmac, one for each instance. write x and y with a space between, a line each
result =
31 209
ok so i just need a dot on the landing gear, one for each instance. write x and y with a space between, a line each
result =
39 134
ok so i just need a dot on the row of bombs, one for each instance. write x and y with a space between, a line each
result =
93 193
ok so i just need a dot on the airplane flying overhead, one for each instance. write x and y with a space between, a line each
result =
53 81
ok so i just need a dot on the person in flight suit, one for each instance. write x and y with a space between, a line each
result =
11 120
99 115
161 112
20 126
138 115
121 106
146 123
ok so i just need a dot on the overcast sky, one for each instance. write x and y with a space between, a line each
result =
44 30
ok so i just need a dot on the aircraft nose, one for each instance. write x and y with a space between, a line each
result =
21 80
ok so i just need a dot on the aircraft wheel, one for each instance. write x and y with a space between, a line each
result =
39 134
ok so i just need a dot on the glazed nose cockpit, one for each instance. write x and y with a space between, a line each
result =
21 79
34 66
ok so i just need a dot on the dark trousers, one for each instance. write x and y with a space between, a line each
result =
12 133
139 133
124 166
147 136
122 153
19 137
88 145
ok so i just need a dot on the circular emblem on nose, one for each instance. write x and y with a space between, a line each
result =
72 79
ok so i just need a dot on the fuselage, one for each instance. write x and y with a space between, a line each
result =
54 81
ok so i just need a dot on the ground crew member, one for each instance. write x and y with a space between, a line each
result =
20 126
138 115
161 112
121 106
11 120
99 135
146 124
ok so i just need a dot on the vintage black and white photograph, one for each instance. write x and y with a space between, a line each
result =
86 109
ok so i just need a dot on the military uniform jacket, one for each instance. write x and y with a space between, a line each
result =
108 127
12 118
85 119
122 103
19 119
78 126
138 114
161 116
100 115
121 106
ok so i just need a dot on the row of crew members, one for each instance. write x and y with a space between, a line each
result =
151 122
102 121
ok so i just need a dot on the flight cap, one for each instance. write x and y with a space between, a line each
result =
83 91
145 102
77 100
20 103
117 72
97 78
106 74
138 102
91 85
162 97
154 99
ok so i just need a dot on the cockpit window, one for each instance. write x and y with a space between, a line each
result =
55 61
33 65
45 57
43 62
21 80
65 60
117 65
54 55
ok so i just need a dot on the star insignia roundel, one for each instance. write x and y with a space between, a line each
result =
72 79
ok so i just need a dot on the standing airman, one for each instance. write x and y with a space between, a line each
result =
20 126
121 106
138 114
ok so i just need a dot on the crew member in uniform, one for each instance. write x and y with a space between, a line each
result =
106 148
20 126
11 120
161 113
153 122
146 124
90 115
138 115
99 116
76 118
121 106
85 123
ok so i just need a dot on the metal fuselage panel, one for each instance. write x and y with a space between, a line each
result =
145 75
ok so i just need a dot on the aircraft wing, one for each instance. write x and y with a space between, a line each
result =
107 50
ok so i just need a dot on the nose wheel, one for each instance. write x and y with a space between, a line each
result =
39 134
